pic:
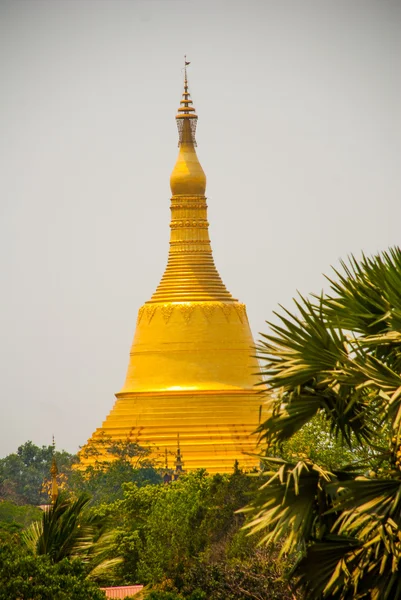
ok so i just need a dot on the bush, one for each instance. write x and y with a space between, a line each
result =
29 577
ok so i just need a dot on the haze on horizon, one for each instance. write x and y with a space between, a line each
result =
299 135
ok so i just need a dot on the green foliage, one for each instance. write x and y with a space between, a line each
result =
28 577
105 483
68 530
166 595
167 522
185 540
259 575
168 525
23 473
15 518
315 442
63 532
162 595
114 463
337 362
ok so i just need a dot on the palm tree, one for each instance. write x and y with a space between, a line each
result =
69 530
338 356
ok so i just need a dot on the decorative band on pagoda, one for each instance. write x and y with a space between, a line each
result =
230 310
182 137
181 197
187 223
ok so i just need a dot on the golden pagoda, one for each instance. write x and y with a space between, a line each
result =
191 371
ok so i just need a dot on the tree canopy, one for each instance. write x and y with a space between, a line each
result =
28 577
24 473
336 357
185 540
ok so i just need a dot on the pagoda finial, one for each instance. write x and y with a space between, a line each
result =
186 63
186 116
187 178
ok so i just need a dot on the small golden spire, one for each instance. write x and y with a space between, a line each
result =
186 116
54 473
179 465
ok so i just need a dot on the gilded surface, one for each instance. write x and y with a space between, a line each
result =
191 370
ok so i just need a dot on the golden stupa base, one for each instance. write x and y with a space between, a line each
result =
215 428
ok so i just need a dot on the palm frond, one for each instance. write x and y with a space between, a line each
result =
322 572
302 349
338 356
64 531
285 506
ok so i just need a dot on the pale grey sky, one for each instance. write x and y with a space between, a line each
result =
299 134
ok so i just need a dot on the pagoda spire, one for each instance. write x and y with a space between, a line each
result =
191 274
